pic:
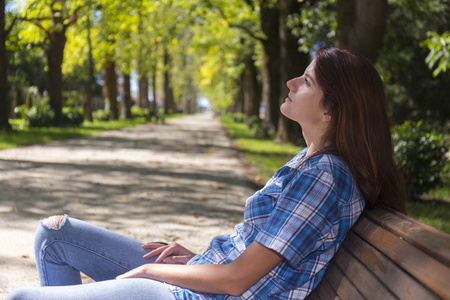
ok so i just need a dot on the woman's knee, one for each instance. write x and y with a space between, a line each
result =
55 222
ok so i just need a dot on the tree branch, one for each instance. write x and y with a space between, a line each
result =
245 29
36 22
73 17
11 26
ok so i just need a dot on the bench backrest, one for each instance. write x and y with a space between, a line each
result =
388 255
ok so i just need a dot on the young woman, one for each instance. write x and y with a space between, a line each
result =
292 227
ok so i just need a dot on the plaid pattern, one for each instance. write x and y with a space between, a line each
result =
302 215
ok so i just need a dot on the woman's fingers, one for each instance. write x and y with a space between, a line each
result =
177 259
167 252
157 249
154 245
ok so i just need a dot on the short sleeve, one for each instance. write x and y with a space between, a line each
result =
303 217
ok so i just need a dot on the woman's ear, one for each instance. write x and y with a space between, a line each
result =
326 117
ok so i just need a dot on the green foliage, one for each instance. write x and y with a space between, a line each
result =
431 212
73 115
439 56
237 117
315 24
254 123
24 135
420 154
412 92
40 115
137 111
102 115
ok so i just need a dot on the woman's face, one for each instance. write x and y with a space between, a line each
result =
303 103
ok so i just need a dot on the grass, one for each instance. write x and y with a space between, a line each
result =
435 213
24 135
268 156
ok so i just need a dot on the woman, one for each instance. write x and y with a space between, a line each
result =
292 227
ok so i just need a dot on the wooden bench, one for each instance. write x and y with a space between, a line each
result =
388 255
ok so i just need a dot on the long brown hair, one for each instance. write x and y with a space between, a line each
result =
360 127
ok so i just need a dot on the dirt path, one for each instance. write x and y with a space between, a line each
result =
182 181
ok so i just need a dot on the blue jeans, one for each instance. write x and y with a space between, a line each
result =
99 253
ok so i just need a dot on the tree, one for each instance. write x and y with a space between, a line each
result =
439 56
52 18
361 26
4 102
292 64
413 93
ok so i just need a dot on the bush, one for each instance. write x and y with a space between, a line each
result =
138 112
420 154
41 115
238 117
101 115
73 115
254 124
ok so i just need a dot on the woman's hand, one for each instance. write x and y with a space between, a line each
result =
170 254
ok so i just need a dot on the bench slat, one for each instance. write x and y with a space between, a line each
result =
326 292
397 280
429 239
366 282
423 267
341 284
313 295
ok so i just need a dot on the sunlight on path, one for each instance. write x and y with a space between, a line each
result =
181 182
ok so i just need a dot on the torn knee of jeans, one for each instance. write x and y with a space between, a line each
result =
55 222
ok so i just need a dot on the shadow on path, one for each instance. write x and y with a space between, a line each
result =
182 182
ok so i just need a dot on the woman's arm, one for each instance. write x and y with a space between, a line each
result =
231 279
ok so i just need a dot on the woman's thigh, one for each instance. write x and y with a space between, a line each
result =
136 288
99 253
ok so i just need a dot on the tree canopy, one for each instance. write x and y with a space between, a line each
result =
237 53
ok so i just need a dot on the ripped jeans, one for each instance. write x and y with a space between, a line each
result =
65 248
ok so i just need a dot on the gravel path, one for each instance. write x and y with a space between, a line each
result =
182 181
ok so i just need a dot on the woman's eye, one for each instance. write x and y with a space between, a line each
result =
306 81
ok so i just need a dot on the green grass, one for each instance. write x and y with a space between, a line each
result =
24 135
268 156
432 212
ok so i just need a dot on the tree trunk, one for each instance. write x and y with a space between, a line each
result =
361 26
169 103
55 56
154 104
270 67
90 83
143 92
292 64
252 89
238 103
111 87
4 102
126 101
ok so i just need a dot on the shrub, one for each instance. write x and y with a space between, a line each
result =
41 115
138 112
254 124
420 154
101 115
238 117
73 115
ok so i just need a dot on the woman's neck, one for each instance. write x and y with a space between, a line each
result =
315 143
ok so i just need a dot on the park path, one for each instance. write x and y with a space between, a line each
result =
181 181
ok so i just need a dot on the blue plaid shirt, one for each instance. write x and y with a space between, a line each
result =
303 215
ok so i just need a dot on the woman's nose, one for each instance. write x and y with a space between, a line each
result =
291 85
